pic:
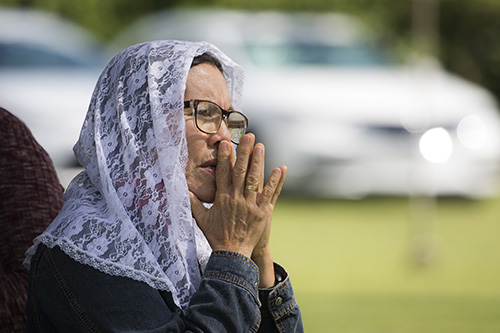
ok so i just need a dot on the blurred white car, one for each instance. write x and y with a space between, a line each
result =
48 69
346 120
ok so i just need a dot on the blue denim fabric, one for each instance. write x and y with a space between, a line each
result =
66 296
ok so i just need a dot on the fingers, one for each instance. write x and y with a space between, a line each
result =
272 190
255 176
277 192
248 172
240 218
244 153
224 166
262 177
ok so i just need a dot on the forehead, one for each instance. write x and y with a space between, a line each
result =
206 82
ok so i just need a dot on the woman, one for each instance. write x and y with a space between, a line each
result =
125 253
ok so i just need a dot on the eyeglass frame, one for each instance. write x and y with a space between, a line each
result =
193 104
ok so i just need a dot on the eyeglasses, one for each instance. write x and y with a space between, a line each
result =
208 117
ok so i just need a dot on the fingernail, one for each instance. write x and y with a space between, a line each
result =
258 151
276 172
224 146
245 139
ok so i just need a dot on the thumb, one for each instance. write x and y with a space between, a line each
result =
197 208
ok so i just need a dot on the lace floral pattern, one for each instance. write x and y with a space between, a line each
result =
128 214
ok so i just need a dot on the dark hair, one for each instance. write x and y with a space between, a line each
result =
207 58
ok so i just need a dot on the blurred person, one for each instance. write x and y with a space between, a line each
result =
167 228
30 198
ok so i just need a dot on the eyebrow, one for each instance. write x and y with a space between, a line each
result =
229 108
187 104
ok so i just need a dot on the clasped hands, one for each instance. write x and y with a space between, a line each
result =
240 217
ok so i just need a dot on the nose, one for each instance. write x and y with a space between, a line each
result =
221 134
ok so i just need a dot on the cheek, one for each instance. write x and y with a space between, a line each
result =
198 181
191 181
192 178
195 148
191 140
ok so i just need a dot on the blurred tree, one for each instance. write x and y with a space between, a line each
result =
102 17
469 42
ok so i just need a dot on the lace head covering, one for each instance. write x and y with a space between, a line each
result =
128 214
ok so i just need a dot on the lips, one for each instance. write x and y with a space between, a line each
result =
209 165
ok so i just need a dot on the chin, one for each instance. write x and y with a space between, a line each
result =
210 200
206 199
203 188
205 195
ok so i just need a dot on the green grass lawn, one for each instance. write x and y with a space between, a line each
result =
392 264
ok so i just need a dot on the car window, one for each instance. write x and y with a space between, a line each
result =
33 56
315 54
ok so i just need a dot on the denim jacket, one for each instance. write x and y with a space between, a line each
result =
66 296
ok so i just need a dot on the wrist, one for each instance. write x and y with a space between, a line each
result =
262 255
264 260
243 251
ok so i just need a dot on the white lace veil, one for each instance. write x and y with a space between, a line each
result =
128 214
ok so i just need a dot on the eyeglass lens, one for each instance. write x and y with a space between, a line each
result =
209 118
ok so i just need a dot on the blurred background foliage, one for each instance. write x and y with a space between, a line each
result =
462 34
